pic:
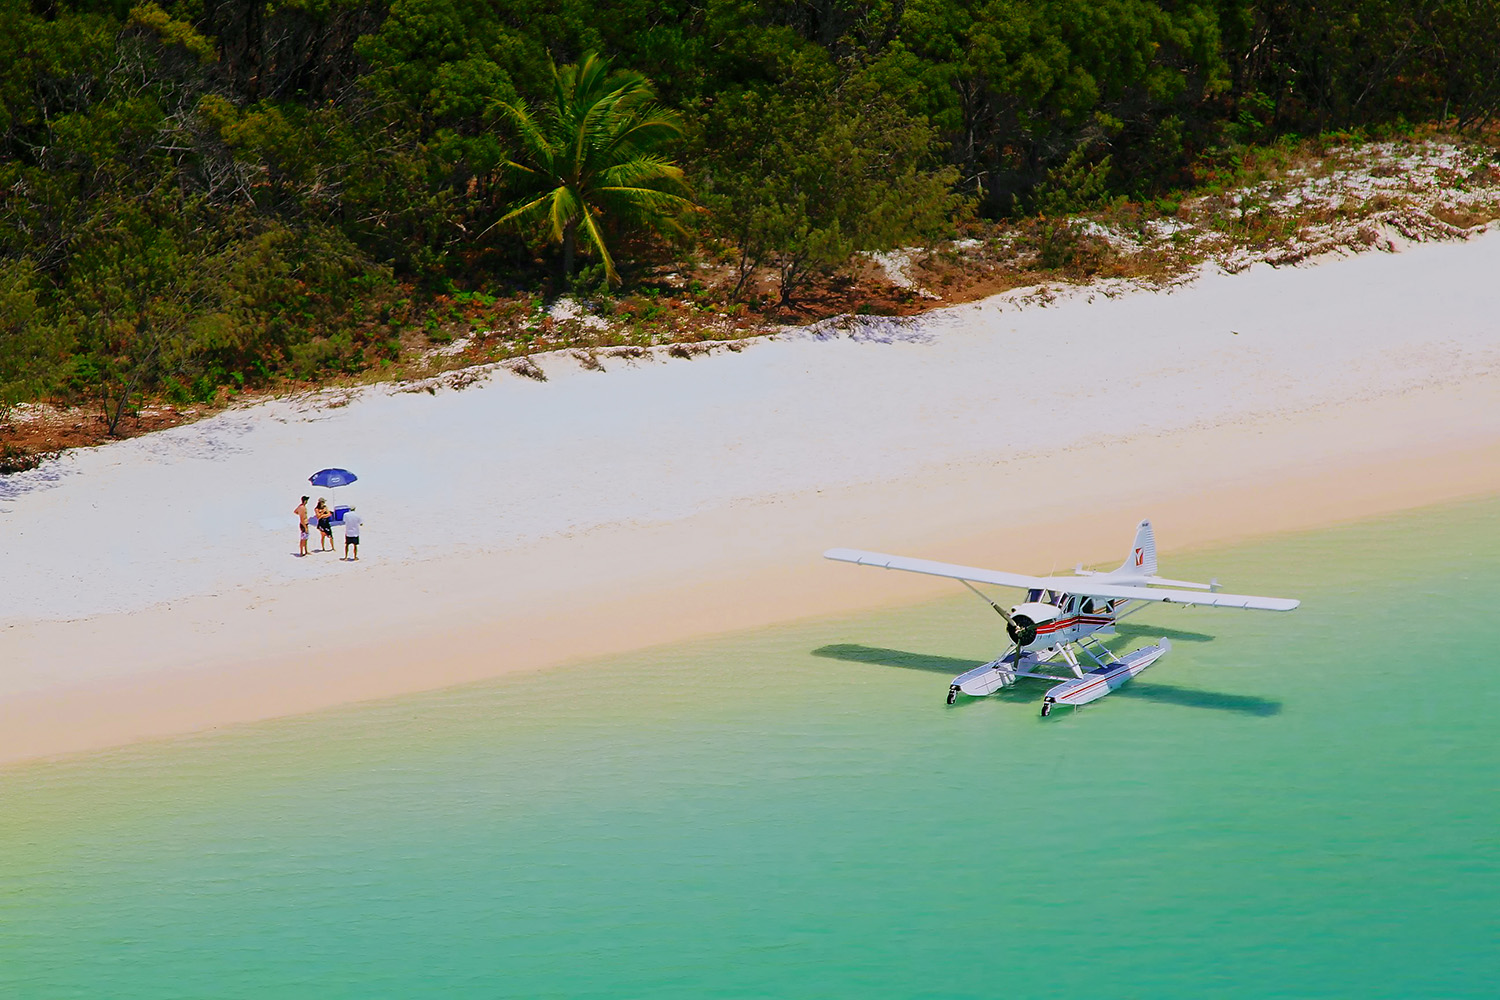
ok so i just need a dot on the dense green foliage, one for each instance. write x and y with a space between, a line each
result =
199 193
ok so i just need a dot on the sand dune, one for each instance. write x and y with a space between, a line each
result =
151 586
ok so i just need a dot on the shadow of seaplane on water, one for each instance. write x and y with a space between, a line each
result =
1063 616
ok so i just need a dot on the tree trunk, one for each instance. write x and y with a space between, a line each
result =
116 405
570 238
792 269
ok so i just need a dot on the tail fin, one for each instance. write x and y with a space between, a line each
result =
1142 558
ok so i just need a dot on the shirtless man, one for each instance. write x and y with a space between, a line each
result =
301 511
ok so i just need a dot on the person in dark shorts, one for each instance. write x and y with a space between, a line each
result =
325 525
352 521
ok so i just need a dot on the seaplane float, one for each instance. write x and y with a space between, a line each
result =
1064 616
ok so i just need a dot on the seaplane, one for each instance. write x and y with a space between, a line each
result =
1065 616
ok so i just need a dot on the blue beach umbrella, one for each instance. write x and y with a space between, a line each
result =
332 478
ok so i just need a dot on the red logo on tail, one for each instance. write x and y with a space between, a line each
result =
1140 557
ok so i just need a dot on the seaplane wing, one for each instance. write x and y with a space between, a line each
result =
927 566
1081 585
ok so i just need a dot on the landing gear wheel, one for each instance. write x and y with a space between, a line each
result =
952 693
1046 707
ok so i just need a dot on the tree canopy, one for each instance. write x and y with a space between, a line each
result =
198 193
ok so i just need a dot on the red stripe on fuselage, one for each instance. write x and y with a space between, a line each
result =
1061 623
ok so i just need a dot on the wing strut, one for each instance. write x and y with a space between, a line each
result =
980 594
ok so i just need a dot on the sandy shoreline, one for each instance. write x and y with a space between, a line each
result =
648 505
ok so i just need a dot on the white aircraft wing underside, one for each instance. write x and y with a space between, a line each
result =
1081 585
931 568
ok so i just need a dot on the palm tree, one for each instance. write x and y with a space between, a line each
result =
589 153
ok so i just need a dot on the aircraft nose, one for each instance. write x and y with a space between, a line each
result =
1022 630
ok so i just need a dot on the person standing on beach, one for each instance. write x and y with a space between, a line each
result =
352 521
325 524
301 511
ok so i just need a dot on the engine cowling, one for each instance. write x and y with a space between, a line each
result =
1026 618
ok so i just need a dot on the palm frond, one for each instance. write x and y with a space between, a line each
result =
651 126
643 170
536 208
591 151
520 168
566 207
596 126
532 135
597 239
649 199
645 208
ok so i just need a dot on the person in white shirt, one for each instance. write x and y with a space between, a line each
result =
352 521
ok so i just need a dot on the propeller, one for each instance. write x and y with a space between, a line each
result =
1021 628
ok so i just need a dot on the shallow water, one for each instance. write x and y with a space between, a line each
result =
1287 805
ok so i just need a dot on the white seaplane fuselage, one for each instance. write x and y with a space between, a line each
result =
1074 619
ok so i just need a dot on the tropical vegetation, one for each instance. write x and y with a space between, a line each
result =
200 196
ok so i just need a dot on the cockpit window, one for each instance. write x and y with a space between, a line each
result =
1033 595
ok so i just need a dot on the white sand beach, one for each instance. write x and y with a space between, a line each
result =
151 586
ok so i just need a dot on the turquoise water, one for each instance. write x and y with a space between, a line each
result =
1298 805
